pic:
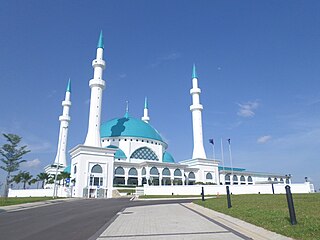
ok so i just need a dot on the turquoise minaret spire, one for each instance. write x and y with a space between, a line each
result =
69 86
146 102
100 42
194 73
145 117
127 110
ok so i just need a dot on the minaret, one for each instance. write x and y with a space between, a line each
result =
97 85
196 109
61 157
145 111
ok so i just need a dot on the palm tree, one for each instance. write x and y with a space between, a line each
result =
44 177
26 177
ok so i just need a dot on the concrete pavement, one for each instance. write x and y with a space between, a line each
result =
181 221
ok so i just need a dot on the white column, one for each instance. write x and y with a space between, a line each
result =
61 156
97 85
196 109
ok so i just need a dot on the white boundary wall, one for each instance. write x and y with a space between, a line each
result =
62 192
221 189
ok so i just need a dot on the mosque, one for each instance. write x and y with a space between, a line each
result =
130 151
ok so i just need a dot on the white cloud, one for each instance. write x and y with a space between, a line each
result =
122 75
87 102
31 164
165 58
247 109
264 139
39 147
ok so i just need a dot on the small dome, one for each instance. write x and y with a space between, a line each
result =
129 127
67 169
167 157
120 154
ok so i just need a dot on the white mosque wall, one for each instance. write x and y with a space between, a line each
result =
61 192
221 189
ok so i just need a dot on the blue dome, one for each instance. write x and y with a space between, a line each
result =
129 127
167 157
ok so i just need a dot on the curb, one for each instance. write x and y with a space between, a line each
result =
25 206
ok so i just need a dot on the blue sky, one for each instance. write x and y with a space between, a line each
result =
258 64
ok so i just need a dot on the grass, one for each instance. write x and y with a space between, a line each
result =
171 196
20 200
271 212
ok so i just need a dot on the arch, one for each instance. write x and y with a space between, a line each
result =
143 171
250 180
269 179
166 172
235 178
227 177
145 154
242 178
133 172
177 173
275 179
119 171
209 176
191 175
154 171
281 180
96 169
75 169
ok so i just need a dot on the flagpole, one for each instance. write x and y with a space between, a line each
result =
213 152
222 159
230 155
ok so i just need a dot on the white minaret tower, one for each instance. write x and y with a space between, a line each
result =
61 157
145 111
196 109
97 85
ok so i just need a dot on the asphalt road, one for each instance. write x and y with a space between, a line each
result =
79 219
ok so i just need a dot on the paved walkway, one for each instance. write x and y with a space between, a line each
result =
180 221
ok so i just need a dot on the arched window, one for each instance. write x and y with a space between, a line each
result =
144 172
287 181
242 179
177 173
154 171
209 176
275 179
133 172
75 169
119 171
96 169
250 180
235 178
281 180
191 175
227 177
166 172
145 154
269 179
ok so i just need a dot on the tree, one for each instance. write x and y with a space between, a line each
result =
11 156
25 178
44 177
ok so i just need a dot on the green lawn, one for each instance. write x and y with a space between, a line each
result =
271 212
172 196
14 201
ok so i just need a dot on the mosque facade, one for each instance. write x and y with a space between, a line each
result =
128 151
